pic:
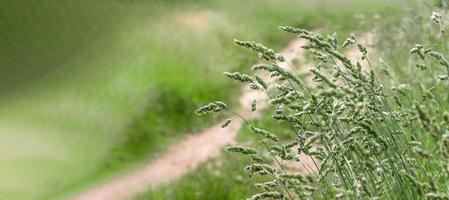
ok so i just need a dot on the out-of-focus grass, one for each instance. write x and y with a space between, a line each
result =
39 37
90 87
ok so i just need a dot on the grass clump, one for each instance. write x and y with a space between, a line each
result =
368 133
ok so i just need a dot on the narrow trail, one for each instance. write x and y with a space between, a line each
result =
187 154
195 149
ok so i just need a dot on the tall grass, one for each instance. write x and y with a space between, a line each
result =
91 88
369 134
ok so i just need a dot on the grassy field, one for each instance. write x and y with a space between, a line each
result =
91 88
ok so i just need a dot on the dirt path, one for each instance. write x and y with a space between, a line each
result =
187 154
194 149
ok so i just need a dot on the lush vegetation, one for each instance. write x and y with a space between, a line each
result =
91 88
380 129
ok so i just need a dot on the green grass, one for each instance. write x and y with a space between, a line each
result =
91 88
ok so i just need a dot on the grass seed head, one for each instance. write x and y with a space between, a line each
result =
253 105
238 76
264 52
226 123
436 17
261 82
264 133
267 195
242 150
216 106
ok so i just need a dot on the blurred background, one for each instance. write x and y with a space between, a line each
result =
90 89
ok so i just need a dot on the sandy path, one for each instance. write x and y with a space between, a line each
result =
187 154
194 149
